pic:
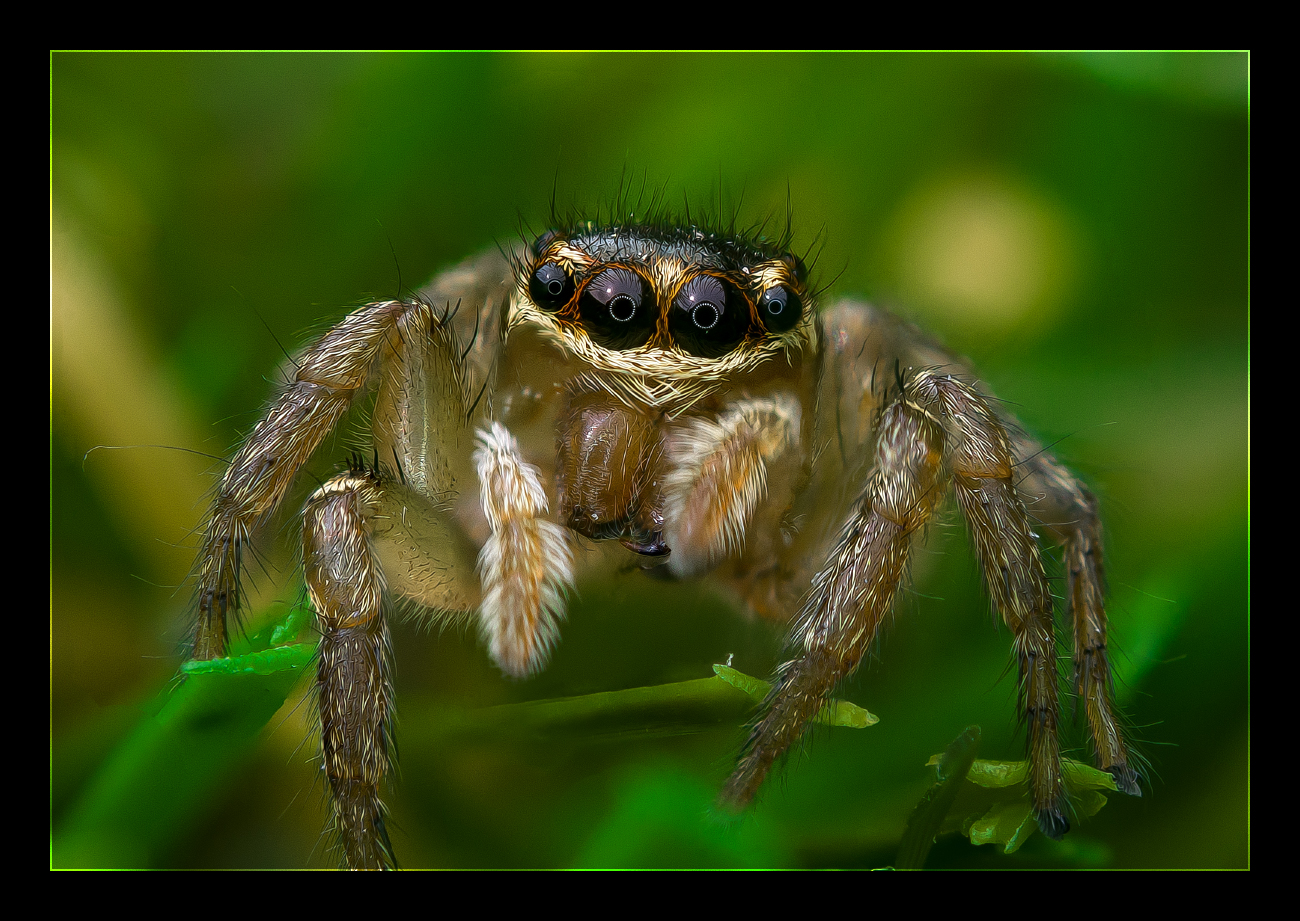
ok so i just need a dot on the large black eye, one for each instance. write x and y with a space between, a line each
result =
779 308
550 287
709 317
615 307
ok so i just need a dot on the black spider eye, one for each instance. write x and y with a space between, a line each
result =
710 316
550 287
614 309
780 308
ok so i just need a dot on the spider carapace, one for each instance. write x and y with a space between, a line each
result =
666 395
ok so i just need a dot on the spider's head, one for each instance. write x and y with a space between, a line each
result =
686 307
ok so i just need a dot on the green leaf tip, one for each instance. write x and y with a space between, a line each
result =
1002 774
267 662
835 713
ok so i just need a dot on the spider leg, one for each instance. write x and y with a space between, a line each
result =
413 350
854 592
370 535
329 376
981 460
354 675
939 429
1069 512
368 540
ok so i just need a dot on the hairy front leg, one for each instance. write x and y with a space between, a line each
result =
328 378
354 673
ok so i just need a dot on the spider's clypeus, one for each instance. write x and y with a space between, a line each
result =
673 397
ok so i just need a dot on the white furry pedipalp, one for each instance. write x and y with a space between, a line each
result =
526 565
720 476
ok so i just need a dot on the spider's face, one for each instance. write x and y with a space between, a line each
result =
681 305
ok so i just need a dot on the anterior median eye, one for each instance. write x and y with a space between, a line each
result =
615 307
709 316
779 308
551 287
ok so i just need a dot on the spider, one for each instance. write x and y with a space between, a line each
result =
671 397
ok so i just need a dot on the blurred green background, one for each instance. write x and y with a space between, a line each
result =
1077 225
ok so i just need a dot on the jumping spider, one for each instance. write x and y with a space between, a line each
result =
667 395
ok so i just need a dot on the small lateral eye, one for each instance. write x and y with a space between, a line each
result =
780 308
710 317
551 287
611 307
